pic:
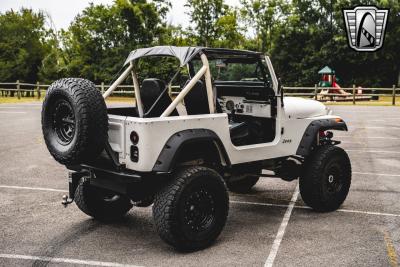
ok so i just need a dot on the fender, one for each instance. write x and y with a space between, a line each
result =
307 142
166 159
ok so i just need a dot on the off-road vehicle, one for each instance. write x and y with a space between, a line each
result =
228 125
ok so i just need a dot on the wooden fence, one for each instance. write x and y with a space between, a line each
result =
30 90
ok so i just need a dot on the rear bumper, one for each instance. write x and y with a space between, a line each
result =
133 184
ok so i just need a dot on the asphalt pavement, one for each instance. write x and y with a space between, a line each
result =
268 226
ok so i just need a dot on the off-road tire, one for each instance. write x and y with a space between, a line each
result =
74 121
175 208
101 204
326 179
243 185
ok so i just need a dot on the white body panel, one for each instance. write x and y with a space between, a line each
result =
300 108
154 133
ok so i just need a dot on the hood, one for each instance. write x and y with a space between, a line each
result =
299 108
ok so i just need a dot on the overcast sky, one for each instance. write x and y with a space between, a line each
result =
63 11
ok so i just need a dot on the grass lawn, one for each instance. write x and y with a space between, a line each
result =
383 101
13 100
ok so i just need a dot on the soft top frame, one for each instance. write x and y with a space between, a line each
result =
187 53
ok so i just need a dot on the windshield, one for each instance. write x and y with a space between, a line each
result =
231 69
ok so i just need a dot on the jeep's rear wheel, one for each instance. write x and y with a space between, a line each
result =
326 180
191 211
74 121
101 204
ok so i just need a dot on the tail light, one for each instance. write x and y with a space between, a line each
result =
134 137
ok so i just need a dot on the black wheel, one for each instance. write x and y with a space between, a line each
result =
101 204
326 180
242 184
191 211
74 121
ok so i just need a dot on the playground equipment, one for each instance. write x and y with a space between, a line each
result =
331 89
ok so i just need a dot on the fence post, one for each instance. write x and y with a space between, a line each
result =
394 95
38 89
316 92
354 94
18 90
102 87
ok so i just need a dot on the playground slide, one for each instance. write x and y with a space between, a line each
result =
339 90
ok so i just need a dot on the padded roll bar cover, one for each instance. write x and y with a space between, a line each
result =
307 142
168 156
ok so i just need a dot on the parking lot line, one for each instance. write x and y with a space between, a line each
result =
377 174
376 127
65 260
282 228
308 208
241 202
32 188
12 112
373 151
369 137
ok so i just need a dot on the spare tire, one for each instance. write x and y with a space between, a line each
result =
74 121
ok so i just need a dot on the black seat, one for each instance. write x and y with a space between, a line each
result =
196 101
151 90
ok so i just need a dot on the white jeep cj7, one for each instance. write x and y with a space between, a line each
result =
229 122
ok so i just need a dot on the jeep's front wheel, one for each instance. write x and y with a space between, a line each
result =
326 180
191 211
101 204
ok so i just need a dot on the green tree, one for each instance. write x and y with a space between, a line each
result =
101 37
204 14
22 44
264 17
228 30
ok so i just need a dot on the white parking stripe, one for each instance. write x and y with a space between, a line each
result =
13 112
375 127
33 188
244 202
368 137
21 104
32 108
377 174
373 151
264 204
308 208
282 228
64 260
369 212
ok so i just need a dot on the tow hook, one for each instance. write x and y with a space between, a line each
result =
66 201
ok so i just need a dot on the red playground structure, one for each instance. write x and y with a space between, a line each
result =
331 90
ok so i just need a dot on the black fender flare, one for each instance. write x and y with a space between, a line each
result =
307 142
166 160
